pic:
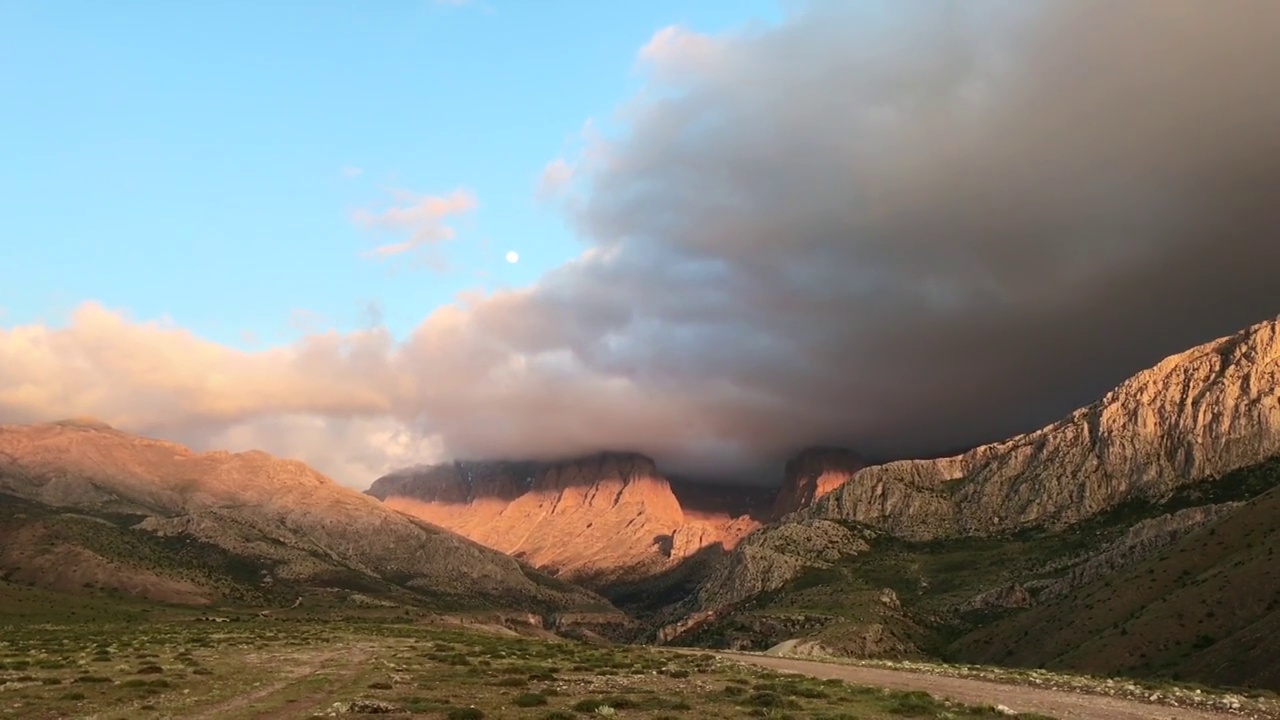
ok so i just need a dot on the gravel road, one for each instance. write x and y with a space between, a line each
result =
1057 703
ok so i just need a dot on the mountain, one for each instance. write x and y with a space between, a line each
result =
1203 601
86 506
1137 535
812 475
600 520
1195 415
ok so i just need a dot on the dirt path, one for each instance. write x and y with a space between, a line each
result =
1057 703
284 694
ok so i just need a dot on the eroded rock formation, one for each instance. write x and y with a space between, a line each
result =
606 518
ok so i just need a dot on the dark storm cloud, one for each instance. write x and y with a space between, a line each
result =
905 230
919 232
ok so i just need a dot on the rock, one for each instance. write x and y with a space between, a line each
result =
801 648
1195 415
889 599
811 475
762 562
1002 710
607 518
366 707
1007 596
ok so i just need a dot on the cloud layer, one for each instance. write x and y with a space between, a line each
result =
907 232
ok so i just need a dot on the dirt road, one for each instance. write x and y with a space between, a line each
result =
1057 703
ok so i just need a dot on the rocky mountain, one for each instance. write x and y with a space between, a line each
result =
600 520
1195 415
1188 595
1084 530
812 475
83 505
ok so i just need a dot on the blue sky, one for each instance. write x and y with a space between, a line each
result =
197 161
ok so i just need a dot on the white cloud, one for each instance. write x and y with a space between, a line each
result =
555 178
421 219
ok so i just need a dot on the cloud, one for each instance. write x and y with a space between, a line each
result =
421 219
307 322
676 54
555 178
905 232
352 172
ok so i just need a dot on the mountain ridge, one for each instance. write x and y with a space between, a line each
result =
963 557
1195 414
288 522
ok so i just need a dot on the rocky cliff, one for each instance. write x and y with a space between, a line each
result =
279 516
813 474
1195 415
607 518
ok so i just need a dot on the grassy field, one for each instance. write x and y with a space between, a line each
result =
113 663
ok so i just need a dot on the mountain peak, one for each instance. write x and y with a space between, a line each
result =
813 473
596 517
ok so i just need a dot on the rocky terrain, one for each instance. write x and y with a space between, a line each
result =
86 506
1069 547
1195 415
599 520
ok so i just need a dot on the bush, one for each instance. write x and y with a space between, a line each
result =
916 704
529 700
466 713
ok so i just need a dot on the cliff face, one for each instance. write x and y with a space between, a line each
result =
281 515
813 474
605 518
1195 415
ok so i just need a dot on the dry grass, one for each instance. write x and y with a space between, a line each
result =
284 669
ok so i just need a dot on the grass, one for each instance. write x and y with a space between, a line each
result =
177 667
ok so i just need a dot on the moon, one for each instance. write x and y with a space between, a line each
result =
513 257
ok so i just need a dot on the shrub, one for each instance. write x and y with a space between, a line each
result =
529 700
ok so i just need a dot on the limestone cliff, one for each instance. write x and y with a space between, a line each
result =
606 518
1195 415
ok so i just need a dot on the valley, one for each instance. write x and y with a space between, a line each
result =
1126 552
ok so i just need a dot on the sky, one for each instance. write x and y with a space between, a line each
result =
739 228
219 153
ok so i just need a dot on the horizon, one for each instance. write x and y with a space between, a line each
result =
716 234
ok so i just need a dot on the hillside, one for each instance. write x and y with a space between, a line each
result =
1097 544
1204 606
1183 589
84 507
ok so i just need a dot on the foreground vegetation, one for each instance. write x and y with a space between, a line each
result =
178 665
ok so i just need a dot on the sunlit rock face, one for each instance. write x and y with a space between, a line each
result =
604 518
1197 414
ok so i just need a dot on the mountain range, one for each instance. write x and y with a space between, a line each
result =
1136 535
